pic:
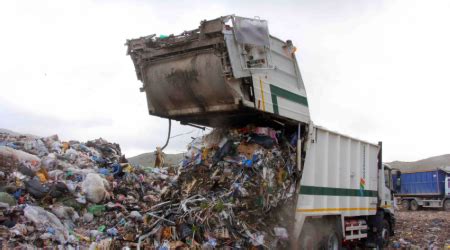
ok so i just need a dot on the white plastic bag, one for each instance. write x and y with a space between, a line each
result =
64 212
281 233
44 220
36 146
94 186
49 162
11 157
71 154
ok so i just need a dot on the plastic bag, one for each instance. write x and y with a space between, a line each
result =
10 157
281 233
97 210
56 174
58 189
267 131
35 188
94 186
41 148
71 154
7 198
44 220
88 217
64 212
36 146
26 170
223 151
56 147
49 162
263 140
214 138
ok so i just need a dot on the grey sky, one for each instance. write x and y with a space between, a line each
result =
377 70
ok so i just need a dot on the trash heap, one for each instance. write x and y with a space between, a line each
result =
222 195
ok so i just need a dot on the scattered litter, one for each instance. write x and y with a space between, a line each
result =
281 233
425 229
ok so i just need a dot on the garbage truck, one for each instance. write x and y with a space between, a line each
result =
231 72
420 189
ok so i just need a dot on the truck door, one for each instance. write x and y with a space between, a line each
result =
386 188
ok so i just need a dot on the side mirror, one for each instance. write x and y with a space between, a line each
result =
398 183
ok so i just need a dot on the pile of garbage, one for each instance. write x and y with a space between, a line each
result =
222 195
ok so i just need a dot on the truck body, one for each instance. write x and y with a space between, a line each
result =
423 189
232 72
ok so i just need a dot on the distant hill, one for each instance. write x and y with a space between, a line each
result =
7 131
432 163
10 132
148 159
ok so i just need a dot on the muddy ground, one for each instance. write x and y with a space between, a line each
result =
422 229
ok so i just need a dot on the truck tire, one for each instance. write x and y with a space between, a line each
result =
406 205
447 205
414 205
383 235
320 234
333 241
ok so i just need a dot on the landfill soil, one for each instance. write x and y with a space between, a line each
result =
225 193
424 229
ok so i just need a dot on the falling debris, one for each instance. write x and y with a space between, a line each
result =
222 194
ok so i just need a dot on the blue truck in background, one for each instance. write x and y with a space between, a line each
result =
423 189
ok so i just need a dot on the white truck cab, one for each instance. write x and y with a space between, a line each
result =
386 189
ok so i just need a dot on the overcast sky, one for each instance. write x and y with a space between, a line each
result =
376 70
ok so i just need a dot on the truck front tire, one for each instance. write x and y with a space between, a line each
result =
383 235
447 205
406 205
414 205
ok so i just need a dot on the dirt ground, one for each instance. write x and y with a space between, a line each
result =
422 229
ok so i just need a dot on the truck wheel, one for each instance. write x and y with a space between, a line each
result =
447 205
406 205
383 235
414 205
333 241
320 234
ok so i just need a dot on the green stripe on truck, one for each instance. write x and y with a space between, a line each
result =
275 104
277 91
312 190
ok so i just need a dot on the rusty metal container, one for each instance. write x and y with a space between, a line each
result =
228 71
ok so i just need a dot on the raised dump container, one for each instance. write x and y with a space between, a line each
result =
228 71
426 183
